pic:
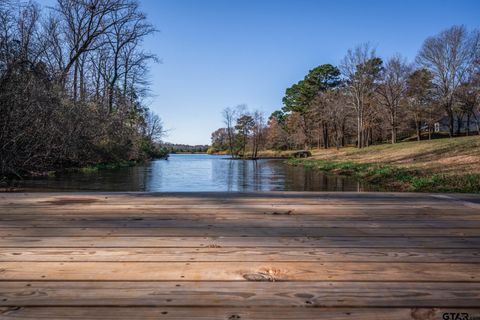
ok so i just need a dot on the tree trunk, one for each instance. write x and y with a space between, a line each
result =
459 124
468 124
417 130
318 139
113 82
82 80
366 137
125 78
451 122
230 142
75 80
394 127
110 99
97 86
359 132
325 135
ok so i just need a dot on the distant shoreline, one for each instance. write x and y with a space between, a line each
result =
188 153
229 157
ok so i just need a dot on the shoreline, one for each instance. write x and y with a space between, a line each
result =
395 179
443 165
85 169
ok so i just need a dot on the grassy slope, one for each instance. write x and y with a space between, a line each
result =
443 165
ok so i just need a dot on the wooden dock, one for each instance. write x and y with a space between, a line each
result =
239 256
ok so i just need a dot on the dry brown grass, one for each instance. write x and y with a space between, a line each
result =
450 156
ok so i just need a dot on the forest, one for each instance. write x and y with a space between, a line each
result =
73 80
368 100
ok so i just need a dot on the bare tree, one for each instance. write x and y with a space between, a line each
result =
449 56
154 127
391 91
229 119
84 24
337 112
122 38
419 100
361 69
257 132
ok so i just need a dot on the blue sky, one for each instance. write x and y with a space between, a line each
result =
219 53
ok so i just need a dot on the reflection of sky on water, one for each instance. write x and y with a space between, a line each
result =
200 173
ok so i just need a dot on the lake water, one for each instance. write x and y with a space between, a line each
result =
198 172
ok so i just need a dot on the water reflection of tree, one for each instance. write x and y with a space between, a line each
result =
253 177
223 173
299 178
153 175
257 175
201 174
248 175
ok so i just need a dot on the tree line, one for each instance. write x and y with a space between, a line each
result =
73 79
367 100
184 148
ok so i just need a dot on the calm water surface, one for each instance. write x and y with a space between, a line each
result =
199 172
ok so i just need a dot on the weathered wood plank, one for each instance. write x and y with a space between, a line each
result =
240 254
128 221
289 196
240 294
250 242
211 231
241 271
267 209
252 205
247 216
285 313
239 196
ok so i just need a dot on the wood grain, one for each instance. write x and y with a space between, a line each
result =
242 242
240 271
240 254
99 313
267 255
132 221
238 294
213 231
